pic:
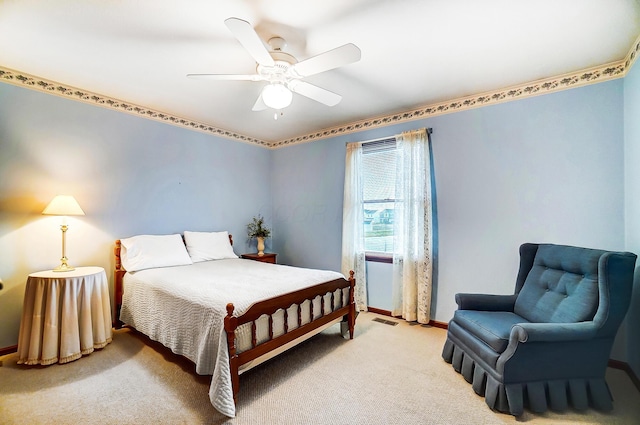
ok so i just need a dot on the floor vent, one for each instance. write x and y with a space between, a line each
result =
386 322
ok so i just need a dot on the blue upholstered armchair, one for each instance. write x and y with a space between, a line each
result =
548 345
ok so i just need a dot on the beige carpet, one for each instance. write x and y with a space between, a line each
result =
386 375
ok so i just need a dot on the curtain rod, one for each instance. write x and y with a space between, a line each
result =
428 129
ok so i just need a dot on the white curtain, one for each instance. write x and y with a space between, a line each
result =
412 261
353 252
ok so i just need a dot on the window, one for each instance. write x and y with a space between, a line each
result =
387 217
379 197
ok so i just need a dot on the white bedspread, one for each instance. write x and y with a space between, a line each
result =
183 308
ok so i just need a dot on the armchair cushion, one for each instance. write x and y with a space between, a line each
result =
491 327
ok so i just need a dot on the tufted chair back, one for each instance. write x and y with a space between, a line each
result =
562 285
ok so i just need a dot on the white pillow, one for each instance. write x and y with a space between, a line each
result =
204 246
149 251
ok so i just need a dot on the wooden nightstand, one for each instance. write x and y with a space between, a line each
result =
268 257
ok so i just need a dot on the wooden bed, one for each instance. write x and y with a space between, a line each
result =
345 313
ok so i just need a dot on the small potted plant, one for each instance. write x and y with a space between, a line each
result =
257 230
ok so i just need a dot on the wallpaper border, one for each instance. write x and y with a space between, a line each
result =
40 84
544 86
585 77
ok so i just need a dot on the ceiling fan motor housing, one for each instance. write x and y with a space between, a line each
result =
281 71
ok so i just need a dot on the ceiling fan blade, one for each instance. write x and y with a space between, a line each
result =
314 92
331 59
250 40
259 105
226 77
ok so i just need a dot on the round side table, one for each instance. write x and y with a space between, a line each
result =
65 315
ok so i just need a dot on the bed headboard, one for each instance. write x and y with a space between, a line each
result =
118 275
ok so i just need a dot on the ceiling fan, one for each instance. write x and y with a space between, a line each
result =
283 73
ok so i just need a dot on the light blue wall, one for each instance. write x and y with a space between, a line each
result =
543 169
547 169
307 190
632 204
130 175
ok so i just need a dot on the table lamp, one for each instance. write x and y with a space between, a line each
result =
63 205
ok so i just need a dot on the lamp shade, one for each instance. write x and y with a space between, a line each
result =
276 96
63 205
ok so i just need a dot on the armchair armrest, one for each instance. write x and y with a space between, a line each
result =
553 332
485 302
556 346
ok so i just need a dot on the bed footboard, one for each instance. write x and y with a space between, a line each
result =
339 310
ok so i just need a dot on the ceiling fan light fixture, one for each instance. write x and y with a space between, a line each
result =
276 96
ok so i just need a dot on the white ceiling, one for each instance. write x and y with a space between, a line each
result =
414 52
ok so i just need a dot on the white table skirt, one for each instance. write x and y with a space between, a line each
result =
65 315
